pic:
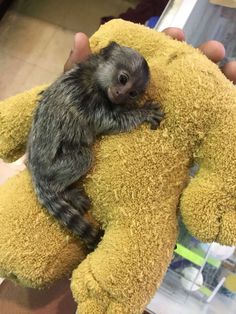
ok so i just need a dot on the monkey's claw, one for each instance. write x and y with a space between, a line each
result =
154 115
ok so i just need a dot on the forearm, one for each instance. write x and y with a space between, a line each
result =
125 120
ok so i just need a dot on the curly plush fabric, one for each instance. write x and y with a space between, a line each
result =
136 183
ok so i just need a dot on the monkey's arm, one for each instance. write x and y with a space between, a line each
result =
124 120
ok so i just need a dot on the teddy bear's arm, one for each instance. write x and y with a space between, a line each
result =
15 119
208 204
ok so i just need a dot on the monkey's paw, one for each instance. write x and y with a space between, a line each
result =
153 113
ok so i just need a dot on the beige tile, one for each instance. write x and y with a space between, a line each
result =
18 75
52 11
76 15
13 74
55 54
39 76
85 15
24 37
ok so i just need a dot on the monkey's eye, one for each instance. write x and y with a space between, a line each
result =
123 78
133 94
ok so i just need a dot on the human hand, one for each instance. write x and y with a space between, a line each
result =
8 170
214 50
79 52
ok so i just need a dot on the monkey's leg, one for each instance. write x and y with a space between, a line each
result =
57 198
69 168
124 120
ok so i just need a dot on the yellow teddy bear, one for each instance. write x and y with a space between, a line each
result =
136 183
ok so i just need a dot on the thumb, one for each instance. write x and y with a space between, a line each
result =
80 51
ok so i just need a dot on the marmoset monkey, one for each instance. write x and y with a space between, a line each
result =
95 98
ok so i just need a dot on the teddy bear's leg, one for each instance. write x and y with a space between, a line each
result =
34 250
121 275
208 210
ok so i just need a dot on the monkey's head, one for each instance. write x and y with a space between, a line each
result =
123 73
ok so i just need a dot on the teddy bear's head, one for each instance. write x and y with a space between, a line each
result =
199 127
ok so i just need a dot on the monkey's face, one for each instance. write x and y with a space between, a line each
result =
125 87
125 74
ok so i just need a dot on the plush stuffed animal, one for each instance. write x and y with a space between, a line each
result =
136 183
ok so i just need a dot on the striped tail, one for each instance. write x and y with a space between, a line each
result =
58 206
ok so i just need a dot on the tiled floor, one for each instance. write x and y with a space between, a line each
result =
73 14
37 36
32 52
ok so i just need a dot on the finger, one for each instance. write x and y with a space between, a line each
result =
158 118
175 33
229 69
80 51
8 170
213 49
20 162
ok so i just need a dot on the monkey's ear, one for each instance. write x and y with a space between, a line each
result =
109 49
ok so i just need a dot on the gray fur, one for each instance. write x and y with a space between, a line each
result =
79 106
